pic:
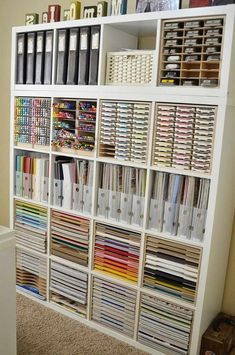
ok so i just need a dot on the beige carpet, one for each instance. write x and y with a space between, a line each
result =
41 331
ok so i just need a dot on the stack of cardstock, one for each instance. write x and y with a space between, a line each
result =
184 136
114 306
68 288
32 122
164 325
124 130
31 273
116 252
31 226
178 205
171 268
70 237
31 176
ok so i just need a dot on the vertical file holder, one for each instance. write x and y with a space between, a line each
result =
94 55
87 198
137 210
83 66
44 189
170 221
18 183
103 203
185 221
156 212
198 224
57 192
126 208
27 185
114 205
78 197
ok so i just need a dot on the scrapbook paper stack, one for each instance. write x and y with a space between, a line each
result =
164 325
68 288
172 268
31 226
31 273
70 237
114 306
116 252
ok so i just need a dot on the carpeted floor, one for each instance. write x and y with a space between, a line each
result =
41 331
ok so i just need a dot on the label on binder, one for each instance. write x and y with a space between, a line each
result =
83 42
30 46
39 45
49 45
73 43
95 41
61 44
20 47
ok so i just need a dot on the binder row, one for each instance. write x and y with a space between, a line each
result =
31 274
70 237
114 306
124 130
32 122
172 268
164 325
121 194
68 288
31 176
78 56
74 123
72 184
34 57
191 52
178 205
184 136
131 67
31 226
116 252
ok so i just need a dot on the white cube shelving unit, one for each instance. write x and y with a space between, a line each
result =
117 33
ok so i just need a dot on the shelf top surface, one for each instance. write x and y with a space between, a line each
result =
134 18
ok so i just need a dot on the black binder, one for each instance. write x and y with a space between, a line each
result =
72 75
62 57
21 59
40 56
48 57
84 51
94 55
31 50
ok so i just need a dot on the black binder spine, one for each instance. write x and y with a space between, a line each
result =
21 59
84 51
72 75
48 57
30 67
94 55
62 57
40 56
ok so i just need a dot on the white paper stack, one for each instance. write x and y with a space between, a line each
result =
164 325
68 288
114 306
31 274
